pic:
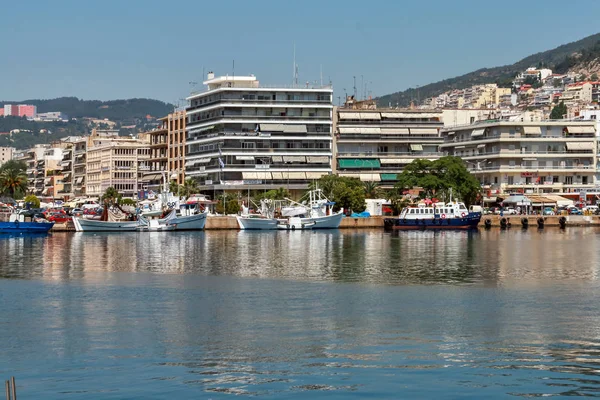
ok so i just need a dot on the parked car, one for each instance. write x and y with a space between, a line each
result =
591 209
574 211
510 211
76 212
548 211
32 212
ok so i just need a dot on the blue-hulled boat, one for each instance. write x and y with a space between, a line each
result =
435 216
17 224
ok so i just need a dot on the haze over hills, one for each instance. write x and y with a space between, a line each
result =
115 110
577 55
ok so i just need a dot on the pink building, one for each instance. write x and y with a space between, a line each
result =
1 112
26 110
10 110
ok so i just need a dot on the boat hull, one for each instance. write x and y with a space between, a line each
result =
189 222
470 221
89 225
327 222
25 227
256 223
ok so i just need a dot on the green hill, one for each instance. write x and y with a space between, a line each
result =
560 59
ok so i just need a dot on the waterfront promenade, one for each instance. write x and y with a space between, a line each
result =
376 222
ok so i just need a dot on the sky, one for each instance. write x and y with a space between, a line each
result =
115 49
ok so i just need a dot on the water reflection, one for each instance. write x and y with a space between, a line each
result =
484 314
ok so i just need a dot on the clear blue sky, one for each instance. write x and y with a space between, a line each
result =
113 49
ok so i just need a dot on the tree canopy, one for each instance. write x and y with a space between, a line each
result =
437 178
13 179
111 196
347 193
559 111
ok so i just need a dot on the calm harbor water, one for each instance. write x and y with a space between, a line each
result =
348 314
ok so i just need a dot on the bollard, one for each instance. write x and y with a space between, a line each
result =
14 388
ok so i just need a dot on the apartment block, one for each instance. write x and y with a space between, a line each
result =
527 157
6 154
154 166
241 135
176 127
375 145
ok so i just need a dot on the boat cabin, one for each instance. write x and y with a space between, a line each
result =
437 210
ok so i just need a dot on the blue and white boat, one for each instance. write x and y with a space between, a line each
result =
451 215
17 224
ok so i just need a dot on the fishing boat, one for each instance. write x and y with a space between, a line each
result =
188 220
92 225
294 223
17 224
453 215
318 211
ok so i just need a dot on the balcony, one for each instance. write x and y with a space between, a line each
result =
234 118
389 154
529 168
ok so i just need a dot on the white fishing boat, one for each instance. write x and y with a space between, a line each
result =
91 225
264 220
319 211
188 220
294 223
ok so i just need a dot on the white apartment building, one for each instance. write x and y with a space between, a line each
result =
242 135
115 163
6 154
527 157
375 145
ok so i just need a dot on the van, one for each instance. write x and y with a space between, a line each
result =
478 209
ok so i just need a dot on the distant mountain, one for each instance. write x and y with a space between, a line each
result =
561 59
115 110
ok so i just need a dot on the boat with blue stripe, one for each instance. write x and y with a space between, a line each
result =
453 215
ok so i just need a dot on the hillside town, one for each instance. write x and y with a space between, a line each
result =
237 135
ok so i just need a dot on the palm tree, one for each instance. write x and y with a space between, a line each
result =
111 196
190 187
371 189
13 181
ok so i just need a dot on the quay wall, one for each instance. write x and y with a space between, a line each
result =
230 223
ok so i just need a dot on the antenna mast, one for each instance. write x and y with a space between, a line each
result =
354 77
321 75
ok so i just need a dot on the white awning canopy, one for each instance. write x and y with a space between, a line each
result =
394 131
315 175
317 159
370 177
416 147
480 146
575 129
478 132
370 115
294 159
244 158
349 115
423 131
395 160
272 127
580 146
532 130
276 159
294 128
79 180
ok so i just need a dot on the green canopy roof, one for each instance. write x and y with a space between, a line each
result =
389 177
359 163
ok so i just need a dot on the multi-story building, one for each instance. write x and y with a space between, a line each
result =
375 145
154 165
79 167
6 154
113 163
527 157
241 135
20 110
71 158
175 123
51 116
10 110
575 93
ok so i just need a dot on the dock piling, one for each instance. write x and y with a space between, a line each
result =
14 388
7 383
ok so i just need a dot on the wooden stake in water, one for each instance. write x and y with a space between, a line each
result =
14 388
7 390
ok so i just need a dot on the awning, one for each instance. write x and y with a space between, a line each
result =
45 192
581 129
277 159
264 175
396 160
459 147
47 181
152 177
451 133
389 177
272 127
518 200
294 175
294 128
206 128
358 131
197 161
370 177
540 200
359 163
277 175
244 158
394 131
66 176
249 175
317 159
416 147
294 159
532 130
580 146
349 115
79 180
423 131
480 146
65 163
315 175
79 157
559 200
478 132
370 115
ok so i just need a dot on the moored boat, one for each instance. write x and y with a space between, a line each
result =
437 216
91 225
256 222
17 224
294 223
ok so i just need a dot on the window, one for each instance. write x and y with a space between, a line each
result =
472 119
555 179
511 180
584 180
568 180
495 180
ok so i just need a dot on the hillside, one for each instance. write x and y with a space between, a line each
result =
563 58
115 110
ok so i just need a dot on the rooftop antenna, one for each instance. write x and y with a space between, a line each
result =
321 75
295 70
354 77
362 86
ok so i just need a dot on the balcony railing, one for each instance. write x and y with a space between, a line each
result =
520 137
390 154
531 168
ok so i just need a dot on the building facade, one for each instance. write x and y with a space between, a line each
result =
241 135
153 165
6 154
176 126
527 157
375 145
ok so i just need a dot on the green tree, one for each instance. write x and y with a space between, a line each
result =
174 187
440 178
190 187
347 193
594 77
33 200
273 194
559 111
556 83
13 180
232 206
372 190
111 196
